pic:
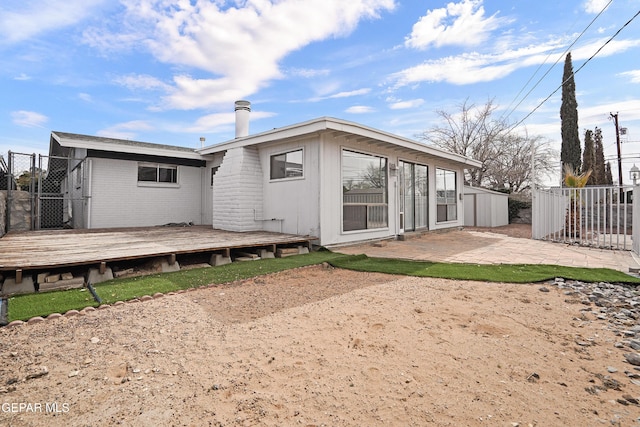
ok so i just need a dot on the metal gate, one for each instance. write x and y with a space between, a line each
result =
19 181
43 192
599 217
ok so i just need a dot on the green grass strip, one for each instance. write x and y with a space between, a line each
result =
506 273
23 307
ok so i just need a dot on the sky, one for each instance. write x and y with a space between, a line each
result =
169 71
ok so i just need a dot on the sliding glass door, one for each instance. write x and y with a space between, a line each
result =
414 200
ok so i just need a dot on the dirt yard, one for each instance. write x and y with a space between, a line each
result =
322 346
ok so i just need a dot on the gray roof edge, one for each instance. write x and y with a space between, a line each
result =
66 139
331 123
486 190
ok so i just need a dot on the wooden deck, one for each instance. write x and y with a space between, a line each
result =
35 250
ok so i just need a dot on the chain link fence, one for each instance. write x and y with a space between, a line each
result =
40 192
52 189
20 184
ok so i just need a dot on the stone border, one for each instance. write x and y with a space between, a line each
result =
90 309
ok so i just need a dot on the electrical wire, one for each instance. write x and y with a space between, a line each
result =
550 68
575 72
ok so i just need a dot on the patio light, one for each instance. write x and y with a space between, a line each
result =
634 173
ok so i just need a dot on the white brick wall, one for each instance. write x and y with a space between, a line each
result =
238 192
117 199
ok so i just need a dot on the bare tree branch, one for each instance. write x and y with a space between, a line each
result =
505 155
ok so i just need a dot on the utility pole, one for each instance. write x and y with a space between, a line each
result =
615 121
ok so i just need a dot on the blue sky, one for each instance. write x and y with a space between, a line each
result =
169 71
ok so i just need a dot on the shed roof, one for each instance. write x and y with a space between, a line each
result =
340 127
67 140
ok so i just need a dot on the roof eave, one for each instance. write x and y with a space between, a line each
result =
329 123
123 148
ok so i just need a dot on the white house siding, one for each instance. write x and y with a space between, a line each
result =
238 191
292 205
118 200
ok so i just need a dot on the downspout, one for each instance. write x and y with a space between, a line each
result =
203 177
88 182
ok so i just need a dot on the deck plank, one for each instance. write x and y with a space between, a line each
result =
49 249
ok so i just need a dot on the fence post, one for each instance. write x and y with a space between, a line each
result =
635 222
9 190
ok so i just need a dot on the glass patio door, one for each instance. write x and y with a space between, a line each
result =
414 200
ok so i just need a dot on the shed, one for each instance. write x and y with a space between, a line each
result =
485 208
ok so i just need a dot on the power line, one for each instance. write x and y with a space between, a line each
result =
550 68
575 72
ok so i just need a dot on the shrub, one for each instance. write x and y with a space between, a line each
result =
515 205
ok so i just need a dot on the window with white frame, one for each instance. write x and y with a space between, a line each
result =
287 165
156 172
446 195
364 191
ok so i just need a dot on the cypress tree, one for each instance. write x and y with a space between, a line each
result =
570 152
607 174
589 156
599 169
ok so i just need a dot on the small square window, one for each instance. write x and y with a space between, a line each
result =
287 165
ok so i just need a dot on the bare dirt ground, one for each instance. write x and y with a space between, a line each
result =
522 231
322 346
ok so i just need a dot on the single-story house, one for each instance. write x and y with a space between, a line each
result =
333 179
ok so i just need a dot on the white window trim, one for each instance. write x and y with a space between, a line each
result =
157 184
457 204
365 230
291 178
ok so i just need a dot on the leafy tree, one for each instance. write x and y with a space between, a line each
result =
570 152
589 156
504 154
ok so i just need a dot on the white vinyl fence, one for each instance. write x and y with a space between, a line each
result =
599 217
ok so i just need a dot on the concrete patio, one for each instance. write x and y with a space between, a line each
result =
464 246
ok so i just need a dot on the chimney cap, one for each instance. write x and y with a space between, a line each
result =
243 105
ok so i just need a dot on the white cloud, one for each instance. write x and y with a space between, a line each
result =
599 115
308 73
22 77
240 47
634 75
222 121
348 94
403 105
469 68
141 81
22 20
360 109
85 97
344 94
595 6
462 24
614 47
28 118
125 130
